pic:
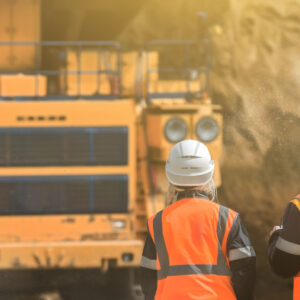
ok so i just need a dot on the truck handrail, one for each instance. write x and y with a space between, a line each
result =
203 45
114 73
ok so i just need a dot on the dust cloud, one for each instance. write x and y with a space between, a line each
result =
256 80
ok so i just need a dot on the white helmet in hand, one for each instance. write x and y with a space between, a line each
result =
189 164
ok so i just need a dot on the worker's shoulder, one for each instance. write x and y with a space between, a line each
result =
150 219
227 210
295 202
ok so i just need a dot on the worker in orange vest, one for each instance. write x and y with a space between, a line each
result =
196 248
284 245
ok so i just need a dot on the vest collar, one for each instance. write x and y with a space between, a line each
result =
190 194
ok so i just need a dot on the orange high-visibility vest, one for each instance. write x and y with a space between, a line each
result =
297 287
190 237
297 278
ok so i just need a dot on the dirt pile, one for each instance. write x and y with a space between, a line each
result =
256 79
257 66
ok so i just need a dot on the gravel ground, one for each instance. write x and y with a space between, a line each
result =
56 295
66 285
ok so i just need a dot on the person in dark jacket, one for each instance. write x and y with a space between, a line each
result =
190 174
284 245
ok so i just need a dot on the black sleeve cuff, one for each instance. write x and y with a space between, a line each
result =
244 277
148 282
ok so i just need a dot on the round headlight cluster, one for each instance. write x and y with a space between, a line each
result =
207 129
175 130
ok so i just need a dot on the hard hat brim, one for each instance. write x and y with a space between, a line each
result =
191 180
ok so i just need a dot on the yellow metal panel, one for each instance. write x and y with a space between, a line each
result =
62 228
89 82
180 105
153 60
129 61
22 85
84 254
91 61
173 86
133 73
26 19
154 130
88 59
64 171
19 21
76 113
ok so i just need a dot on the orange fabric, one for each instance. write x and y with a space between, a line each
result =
190 235
297 287
182 223
297 203
297 278
195 287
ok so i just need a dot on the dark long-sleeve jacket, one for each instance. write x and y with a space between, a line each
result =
284 244
241 256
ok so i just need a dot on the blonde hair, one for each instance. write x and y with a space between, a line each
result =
209 189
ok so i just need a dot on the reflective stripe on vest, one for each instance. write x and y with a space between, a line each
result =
297 278
296 201
166 270
297 287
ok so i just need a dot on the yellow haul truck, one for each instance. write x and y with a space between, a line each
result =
83 143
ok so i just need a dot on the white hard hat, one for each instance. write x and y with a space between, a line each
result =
189 164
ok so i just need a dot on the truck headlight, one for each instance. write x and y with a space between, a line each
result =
118 224
207 129
175 130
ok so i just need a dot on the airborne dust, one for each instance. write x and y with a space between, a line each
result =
256 80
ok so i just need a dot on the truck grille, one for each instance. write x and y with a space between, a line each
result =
63 146
63 195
